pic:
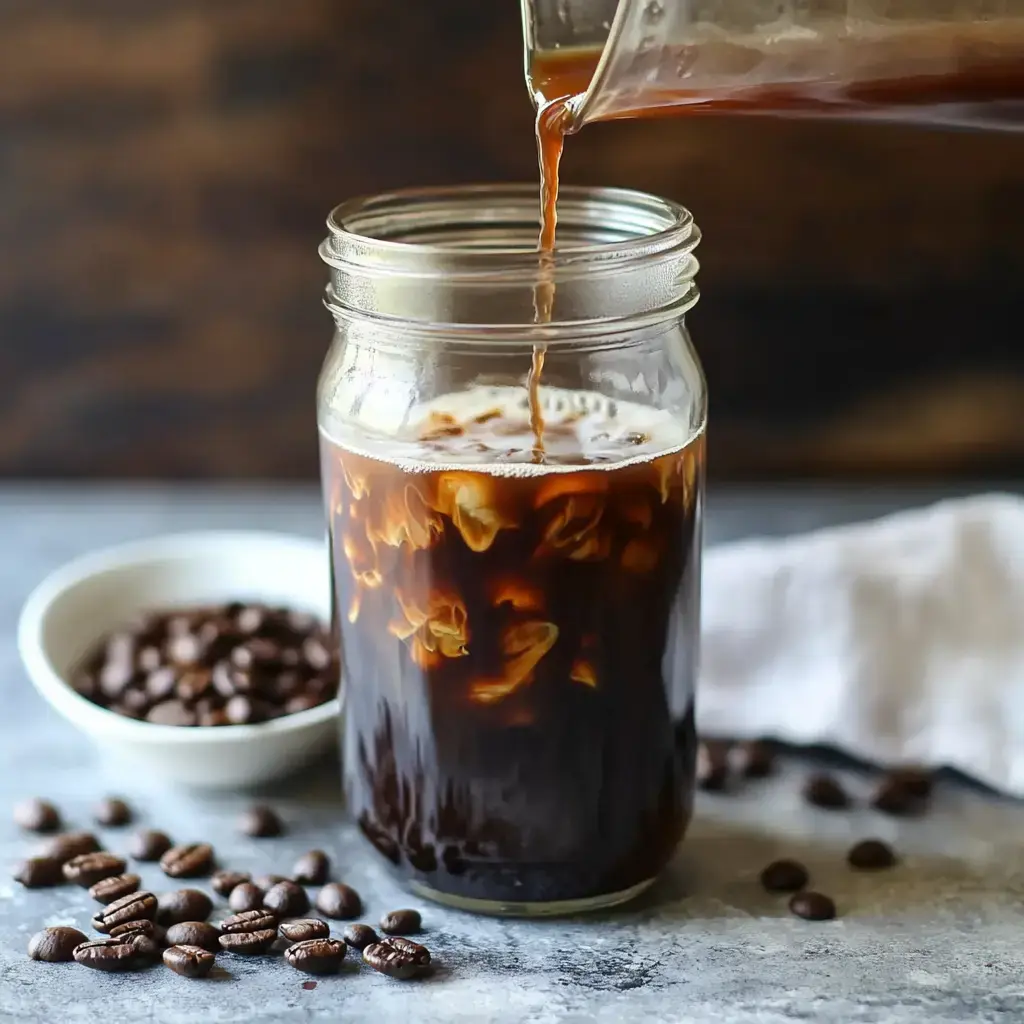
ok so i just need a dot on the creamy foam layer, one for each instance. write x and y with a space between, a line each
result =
488 429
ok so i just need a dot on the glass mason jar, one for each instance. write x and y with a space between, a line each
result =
519 629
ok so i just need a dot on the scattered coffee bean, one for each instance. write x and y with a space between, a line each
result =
183 905
895 797
249 921
248 943
136 906
148 928
784 876
754 759
39 872
89 868
871 855
812 906
339 901
223 882
112 812
286 899
55 945
401 922
133 953
316 956
266 882
201 666
303 928
397 958
113 888
260 822
70 844
916 781
188 861
149 844
189 961
359 936
245 897
36 815
311 868
825 791
713 765
194 933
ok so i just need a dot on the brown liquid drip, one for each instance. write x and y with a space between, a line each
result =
550 136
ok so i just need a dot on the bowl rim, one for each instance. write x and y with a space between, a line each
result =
90 717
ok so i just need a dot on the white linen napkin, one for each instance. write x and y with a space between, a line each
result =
896 641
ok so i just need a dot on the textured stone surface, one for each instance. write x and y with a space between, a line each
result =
936 940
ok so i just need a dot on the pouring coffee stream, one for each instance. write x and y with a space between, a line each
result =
900 60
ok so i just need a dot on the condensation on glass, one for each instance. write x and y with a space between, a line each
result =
519 636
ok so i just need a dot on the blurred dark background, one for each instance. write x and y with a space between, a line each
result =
166 167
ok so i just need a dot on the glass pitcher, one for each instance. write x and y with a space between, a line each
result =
952 62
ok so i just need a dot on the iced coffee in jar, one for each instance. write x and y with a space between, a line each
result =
516 582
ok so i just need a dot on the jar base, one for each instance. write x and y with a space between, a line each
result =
506 908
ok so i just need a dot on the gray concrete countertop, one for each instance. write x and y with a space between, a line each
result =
938 939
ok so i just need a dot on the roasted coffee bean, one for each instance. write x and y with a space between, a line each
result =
249 921
148 928
302 928
754 759
339 901
36 815
397 958
260 822
916 781
245 897
55 945
223 882
316 956
189 961
136 906
401 922
895 797
113 888
784 876
133 953
39 872
713 766
311 868
112 812
148 844
871 855
812 906
188 861
194 933
183 905
89 868
359 936
825 791
266 882
70 844
286 899
248 943
171 712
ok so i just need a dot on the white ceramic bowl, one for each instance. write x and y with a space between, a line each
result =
71 609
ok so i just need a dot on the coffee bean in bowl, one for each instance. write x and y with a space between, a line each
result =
113 591
189 666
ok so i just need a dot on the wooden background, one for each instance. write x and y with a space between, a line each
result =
166 167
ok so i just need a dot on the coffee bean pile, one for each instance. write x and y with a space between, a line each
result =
901 792
139 929
236 664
